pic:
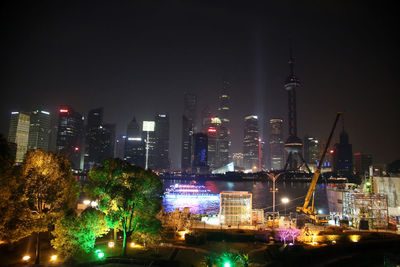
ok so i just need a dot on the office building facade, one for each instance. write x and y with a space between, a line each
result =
161 157
18 133
188 128
70 136
134 144
276 144
39 130
251 148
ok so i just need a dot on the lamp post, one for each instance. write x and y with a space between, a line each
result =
273 178
148 126
285 200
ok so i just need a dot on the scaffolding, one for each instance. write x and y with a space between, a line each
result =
366 207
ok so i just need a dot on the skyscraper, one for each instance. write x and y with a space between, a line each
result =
224 105
218 144
162 162
343 156
101 144
293 144
311 150
19 133
362 162
188 128
276 145
39 130
134 144
251 149
93 137
70 136
200 159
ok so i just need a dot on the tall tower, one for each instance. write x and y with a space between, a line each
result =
251 143
70 136
276 153
162 142
224 105
134 144
188 128
293 144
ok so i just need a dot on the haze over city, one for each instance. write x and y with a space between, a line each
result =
138 58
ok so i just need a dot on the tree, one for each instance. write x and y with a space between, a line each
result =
49 190
226 259
284 234
75 234
294 233
125 192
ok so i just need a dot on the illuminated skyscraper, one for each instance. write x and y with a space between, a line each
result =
70 136
276 145
39 130
161 133
200 159
251 149
224 105
19 133
188 127
134 144
218 144
311 150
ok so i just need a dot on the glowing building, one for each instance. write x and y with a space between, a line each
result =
251 143
311 150
218 144
200 157
70 136
188 128
235 208
161 134
19 133
276 144
39 130
134 144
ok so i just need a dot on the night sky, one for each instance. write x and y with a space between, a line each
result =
136 58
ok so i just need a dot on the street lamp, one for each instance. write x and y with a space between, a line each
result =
273 178
285 200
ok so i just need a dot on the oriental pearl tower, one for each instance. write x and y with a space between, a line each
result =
293 145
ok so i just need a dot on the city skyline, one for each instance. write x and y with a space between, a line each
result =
337 71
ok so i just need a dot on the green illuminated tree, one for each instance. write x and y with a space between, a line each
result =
77 234
128 195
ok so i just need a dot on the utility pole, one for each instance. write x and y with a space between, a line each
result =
273 178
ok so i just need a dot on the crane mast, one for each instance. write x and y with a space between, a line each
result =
305 208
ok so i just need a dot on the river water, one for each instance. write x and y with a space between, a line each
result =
261 193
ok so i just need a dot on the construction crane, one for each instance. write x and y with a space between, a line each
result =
309 210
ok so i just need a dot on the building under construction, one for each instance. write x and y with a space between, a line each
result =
365 210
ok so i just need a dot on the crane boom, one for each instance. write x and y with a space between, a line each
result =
310 210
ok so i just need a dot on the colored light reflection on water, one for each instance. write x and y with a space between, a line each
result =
197 205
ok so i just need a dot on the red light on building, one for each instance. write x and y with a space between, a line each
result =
63 110
212 130
331 151
76 148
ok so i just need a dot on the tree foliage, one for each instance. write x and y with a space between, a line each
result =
77 234
128 195
35 194
233 258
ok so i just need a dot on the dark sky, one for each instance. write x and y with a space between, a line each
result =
139 57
